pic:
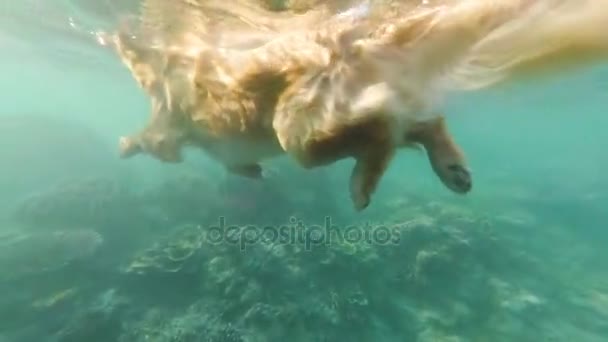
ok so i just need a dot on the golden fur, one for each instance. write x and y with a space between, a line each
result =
322 87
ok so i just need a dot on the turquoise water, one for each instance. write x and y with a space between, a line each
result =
94 248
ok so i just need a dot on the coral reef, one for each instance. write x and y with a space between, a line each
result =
172 254
196 259
430 271
196 324
100 321
266 289
103 204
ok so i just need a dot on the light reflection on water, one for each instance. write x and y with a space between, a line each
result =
62 32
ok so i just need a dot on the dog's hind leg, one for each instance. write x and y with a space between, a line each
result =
369 142
367 172
445 155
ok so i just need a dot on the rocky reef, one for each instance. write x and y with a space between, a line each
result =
174 253
420 268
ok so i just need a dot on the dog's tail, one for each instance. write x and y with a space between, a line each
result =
551 37
472 44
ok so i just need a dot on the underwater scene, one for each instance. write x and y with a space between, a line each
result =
95 247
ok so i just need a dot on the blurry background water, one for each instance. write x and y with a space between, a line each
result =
97 249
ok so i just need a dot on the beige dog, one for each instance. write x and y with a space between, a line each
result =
360 86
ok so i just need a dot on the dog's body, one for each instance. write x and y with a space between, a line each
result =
360 87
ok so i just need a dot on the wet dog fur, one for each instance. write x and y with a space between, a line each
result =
344 90
238 127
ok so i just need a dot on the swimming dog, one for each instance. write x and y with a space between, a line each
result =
358 85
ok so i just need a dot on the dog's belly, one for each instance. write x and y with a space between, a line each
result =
243 151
